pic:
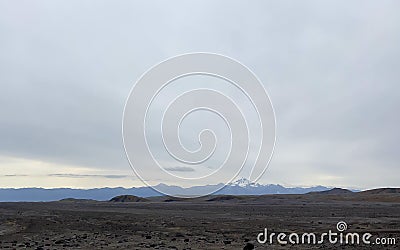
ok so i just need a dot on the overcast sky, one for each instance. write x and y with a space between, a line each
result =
332 70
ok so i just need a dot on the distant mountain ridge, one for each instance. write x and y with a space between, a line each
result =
241 186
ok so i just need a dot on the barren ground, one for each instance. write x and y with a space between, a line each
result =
227 224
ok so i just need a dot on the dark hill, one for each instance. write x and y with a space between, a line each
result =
334 191
223 198
382 191
76 200
128 198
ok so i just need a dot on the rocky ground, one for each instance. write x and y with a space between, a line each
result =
223 223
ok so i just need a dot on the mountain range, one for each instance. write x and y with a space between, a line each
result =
239 187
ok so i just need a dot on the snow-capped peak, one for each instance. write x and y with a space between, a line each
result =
243 182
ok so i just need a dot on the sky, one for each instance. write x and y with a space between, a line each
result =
331 69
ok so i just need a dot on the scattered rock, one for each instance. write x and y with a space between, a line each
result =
248 246
59 242
179 235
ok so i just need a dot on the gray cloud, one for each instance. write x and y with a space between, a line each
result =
13 175
90 176
180 169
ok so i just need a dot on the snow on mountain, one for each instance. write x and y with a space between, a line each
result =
243 186
243 182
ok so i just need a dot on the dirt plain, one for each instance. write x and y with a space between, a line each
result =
221 222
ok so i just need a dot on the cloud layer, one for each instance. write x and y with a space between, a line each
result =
331 69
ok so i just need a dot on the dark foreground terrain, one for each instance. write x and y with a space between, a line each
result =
221 222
